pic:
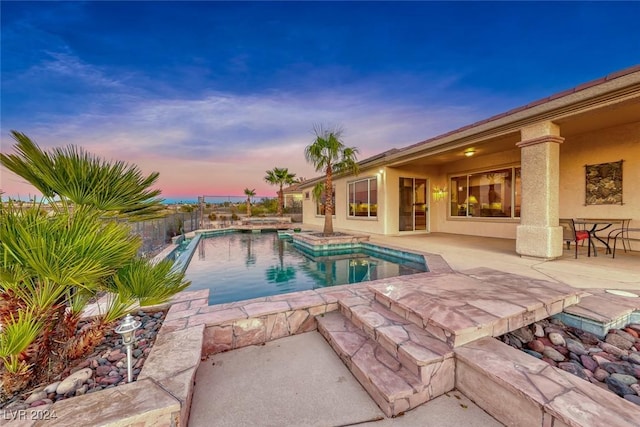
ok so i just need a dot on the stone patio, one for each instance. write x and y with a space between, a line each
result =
402 347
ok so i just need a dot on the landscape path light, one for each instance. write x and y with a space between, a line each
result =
128 331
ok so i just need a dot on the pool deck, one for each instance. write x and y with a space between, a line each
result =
403 349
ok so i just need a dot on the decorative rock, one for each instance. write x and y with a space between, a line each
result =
612 349
103 370
573 368
557 339
524 334
538 330
588 362
634 358
600 374
533 353
562 350
536 345
73 381
38 395
635 387
576 347
587 337
549 361
632 332
627 379
618 341
553 354
619 368
618 387
632 398
51 388
625 335
116 355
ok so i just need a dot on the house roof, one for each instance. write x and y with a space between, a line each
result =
617 86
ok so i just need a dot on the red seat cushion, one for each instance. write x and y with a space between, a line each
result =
581 235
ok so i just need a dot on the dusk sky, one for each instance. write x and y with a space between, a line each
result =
213 94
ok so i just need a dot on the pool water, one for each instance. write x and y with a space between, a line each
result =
239 266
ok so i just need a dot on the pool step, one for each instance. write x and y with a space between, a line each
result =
450 308
392 386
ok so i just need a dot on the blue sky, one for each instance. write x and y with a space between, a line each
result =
213 94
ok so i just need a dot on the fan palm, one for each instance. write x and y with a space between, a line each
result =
280 176
249 193
53 264
328 154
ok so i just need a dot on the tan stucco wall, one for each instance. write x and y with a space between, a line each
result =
607 145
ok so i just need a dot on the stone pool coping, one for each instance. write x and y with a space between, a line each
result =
192 329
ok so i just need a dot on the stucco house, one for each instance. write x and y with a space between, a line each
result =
575 154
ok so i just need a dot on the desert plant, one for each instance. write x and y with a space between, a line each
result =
280 177
328 154
51 266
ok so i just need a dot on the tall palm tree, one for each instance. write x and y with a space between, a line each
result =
51 266
249 194
280 176
328 154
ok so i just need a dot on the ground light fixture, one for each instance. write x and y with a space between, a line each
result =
127 329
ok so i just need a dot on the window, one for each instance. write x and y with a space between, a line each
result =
362 198
306 195
493 194
320 204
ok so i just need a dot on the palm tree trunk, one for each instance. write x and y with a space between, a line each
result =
328 204
280 201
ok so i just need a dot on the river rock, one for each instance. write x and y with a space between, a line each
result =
553 354
573 368
625 335
587 337
532 353
103 370
34 397
538 330
600 374
613 349
51 388
618 387
618 368
618 341
73 381
536 345
632 398
575 347
634 358
632 332
627 379
588 362
557 339
635 387
524 334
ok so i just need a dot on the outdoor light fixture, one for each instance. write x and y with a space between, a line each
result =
127 329
439 193
381 171
469 152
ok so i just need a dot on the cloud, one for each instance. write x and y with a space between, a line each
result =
223 142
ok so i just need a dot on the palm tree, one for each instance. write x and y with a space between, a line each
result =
51 266
328 154
280 176
249 194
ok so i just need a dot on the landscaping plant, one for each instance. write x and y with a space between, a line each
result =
61 253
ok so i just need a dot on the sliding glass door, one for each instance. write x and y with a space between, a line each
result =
413 204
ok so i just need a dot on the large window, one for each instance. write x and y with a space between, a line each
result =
363 198
320 204
493 194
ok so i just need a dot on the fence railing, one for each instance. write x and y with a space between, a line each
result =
156 233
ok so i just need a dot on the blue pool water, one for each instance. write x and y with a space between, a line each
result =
239 266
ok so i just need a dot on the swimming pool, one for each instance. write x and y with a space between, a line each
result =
238 266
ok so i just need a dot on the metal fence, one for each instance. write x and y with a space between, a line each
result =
157 233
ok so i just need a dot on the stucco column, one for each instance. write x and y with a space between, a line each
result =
539 234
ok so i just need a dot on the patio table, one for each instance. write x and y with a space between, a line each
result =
597 224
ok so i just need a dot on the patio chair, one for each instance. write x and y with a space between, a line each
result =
570 234
621 232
